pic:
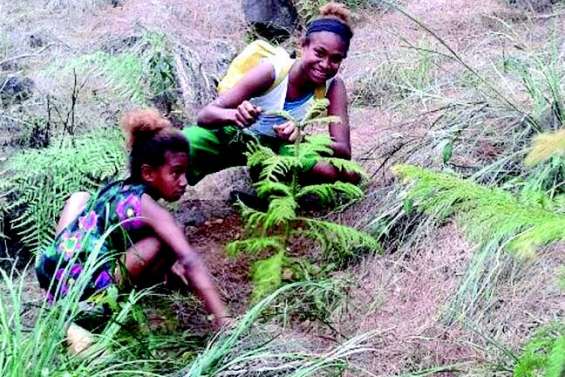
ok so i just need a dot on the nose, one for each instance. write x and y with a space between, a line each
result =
183 182
325 63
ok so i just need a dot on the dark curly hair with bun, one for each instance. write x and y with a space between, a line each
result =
148 137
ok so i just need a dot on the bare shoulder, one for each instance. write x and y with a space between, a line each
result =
337 95
253 84
337 85
152 211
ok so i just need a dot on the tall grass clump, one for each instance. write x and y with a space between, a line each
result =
138 73
33 337
481 119
463 154
398 79
243 352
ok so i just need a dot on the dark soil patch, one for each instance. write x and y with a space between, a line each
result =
231 274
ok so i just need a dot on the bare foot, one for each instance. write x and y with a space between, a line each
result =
78 339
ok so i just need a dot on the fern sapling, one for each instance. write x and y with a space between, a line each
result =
279 183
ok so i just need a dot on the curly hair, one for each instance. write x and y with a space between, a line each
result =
148 137
336 11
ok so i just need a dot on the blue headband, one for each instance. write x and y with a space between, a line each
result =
332 25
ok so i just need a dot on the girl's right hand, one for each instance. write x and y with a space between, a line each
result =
246 114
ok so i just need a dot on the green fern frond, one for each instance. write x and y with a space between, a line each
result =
544 352
252 218
268 188
346 165
316 110
255 245
280 183
339 242
556 359
487 214
257 154
144 71
545 146
277 166
319 141
266 276
329 192
39 181
318 145
282 210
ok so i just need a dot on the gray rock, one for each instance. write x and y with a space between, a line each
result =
210 200
198 71
272 19
36 40
15 89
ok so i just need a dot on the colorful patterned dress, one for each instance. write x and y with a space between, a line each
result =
107 227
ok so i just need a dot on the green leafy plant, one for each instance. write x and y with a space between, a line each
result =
494 218
281 185
544 352
488 214
33 333
32 337
36 183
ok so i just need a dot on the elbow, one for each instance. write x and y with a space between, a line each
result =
190 262
351 177
342 151
202 119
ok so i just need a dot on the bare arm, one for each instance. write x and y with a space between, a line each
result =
230 107
194 270
339 132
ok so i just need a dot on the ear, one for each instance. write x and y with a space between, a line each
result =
304 41
147 173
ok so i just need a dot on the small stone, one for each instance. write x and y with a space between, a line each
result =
15 89
287 274
36 41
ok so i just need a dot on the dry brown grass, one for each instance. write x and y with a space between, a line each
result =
405 294
405 297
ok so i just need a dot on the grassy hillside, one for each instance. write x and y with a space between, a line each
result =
457 113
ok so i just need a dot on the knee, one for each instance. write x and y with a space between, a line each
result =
78 198
350 177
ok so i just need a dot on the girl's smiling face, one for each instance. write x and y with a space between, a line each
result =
322 54
169 180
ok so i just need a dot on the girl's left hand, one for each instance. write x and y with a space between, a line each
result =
287 131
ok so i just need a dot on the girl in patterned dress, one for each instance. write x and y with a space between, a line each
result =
135 239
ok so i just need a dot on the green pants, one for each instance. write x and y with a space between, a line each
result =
212 150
